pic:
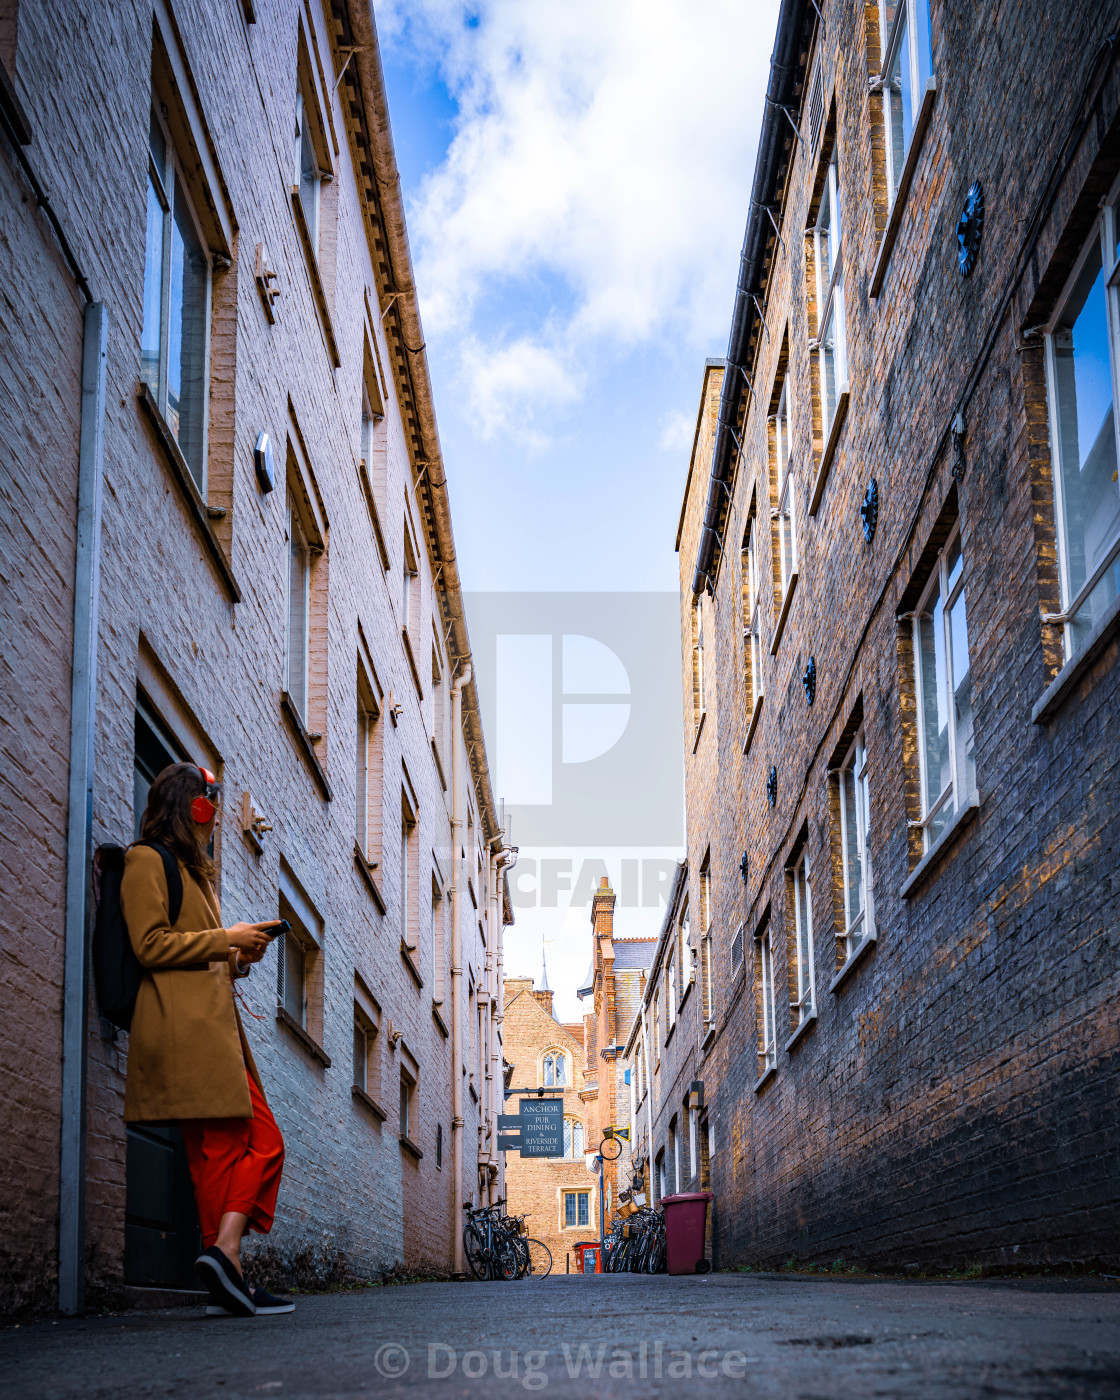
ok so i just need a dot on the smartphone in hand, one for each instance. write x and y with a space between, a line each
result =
277 929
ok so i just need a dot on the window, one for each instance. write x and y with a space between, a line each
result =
155 749
577 1208
439 710
906 67
366 1066
555 1070
439 1146
855 824
698 678
943 685
410 585
693 1144
299 960
674 1157
656 1031
686 943
175 338
368 772
764 1000
786 513
1083 365
307 177
573 1137
409 873
802 960
408 1088
671 990
299 613
662 1180
707 984
832 360
436 941
752 616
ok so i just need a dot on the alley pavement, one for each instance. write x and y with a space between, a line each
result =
788 1336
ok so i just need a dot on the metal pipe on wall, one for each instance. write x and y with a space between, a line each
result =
79 828
458 798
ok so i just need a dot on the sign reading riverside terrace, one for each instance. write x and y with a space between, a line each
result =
542 1127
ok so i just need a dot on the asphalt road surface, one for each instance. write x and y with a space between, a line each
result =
740 1335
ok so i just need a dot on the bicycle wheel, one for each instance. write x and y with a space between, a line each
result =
474 1248
540 1259
505 1263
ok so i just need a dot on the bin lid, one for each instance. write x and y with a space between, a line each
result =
682 1196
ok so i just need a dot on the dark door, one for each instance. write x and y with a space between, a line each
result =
161 1235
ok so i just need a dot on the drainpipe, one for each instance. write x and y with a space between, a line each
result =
79 830
649 1106
500 861
458 801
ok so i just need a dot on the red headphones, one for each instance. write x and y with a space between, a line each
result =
204 808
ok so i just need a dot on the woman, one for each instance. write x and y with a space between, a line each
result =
188 1059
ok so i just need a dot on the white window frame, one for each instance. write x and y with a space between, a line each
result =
671 988
767 1029
1104 235
786 512
805 1005
918 71
298 666
854 772
304 130
698 676
830 295
956 793
168 184
693 1143
752 621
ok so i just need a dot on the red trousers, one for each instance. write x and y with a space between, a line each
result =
236 1164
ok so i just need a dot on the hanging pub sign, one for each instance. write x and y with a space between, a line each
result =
536 1131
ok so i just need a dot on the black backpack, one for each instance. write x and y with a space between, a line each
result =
116 968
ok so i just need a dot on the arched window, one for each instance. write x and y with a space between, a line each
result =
573 1137
561 1069
549 1071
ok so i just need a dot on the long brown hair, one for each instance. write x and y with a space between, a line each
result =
167 818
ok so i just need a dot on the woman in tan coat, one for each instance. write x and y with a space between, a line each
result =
188 1059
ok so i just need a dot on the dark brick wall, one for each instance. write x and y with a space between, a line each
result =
956 1100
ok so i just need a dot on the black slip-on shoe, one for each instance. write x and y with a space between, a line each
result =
266 1302
227 1289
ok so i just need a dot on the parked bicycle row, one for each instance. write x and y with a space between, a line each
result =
496 1246
636 1244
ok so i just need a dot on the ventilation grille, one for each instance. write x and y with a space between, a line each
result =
816 106
737 949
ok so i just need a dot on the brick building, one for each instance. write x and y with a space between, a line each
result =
559 1195
226 537
669 1126
615 982
899 583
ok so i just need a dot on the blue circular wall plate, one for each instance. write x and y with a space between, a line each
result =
265 463
772 786
869 510
970 228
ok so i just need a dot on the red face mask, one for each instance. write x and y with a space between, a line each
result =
204 808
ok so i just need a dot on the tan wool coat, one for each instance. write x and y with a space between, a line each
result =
187 1052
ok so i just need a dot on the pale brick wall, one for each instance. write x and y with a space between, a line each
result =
84 81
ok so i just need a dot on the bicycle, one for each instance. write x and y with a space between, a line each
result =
488 1245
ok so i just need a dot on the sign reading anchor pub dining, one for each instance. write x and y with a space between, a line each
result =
537 1130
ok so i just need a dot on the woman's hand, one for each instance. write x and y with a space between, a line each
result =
250 940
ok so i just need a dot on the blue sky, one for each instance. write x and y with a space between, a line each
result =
576 179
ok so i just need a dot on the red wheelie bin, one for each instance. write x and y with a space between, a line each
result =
686 1215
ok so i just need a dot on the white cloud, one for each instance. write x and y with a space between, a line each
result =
510 384
607 145
676 433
